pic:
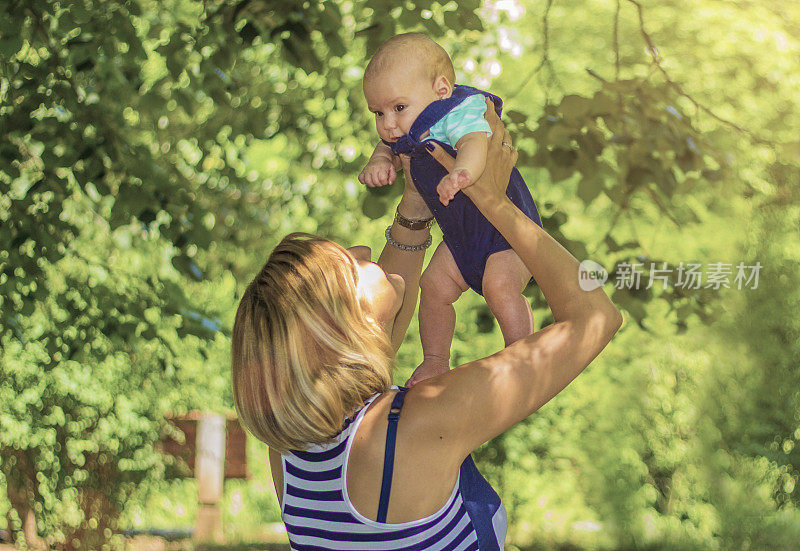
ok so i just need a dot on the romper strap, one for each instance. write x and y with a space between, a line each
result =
388 456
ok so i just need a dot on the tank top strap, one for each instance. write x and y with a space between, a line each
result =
388 456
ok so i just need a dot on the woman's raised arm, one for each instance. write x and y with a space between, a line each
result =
471 404
407 264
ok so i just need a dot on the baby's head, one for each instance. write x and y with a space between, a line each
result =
406 74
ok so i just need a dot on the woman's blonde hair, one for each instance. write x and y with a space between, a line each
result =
305 351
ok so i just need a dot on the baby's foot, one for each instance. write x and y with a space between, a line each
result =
427 369
452 184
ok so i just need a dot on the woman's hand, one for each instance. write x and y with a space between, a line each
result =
491 186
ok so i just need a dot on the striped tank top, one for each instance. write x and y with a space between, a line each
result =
319 516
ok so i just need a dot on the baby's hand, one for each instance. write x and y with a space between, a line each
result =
378 172
452 184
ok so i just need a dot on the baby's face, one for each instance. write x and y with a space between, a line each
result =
397 97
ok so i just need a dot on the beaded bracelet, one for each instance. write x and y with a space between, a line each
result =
404 247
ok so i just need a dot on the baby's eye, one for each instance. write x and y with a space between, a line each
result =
399 108
378 114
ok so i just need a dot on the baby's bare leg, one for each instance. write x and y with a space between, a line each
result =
440 286
504 279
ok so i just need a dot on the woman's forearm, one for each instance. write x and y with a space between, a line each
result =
407 264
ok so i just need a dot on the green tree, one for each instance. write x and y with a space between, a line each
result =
155 149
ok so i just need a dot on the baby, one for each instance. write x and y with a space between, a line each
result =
410 86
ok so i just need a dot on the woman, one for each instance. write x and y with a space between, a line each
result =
312 356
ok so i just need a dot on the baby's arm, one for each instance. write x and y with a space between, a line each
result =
469 165
382 167
471 156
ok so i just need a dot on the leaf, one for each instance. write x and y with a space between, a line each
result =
553 222
432 27
613 246
575 107
516 117
615 193
589 188
591 142
638 176
451 20
564 157
374 206
634 306
469 20
560 134
603 104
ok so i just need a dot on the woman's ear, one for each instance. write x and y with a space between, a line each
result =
442 87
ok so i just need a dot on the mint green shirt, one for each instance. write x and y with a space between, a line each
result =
462 119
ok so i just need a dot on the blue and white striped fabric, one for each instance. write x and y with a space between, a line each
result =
319 515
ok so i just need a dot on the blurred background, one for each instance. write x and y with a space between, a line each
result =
153 152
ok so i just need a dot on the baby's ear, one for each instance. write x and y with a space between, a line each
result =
442 87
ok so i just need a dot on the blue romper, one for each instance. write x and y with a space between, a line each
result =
319 516
470 237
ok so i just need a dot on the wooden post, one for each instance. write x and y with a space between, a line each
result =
210 471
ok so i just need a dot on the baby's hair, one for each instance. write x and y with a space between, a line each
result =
432 58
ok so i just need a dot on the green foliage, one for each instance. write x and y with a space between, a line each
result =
85 379
249 506
130 126
155 151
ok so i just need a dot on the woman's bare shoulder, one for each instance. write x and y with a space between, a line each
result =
422 478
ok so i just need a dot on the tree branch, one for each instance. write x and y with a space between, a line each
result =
653 51
616 41
545 51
